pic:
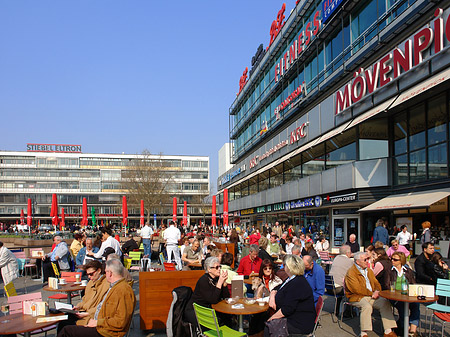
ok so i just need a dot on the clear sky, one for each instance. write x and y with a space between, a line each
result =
126 75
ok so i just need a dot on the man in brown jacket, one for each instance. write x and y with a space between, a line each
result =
362 289
113 314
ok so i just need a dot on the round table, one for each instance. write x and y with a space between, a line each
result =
20 323
195 264
68 288
406 299
249 309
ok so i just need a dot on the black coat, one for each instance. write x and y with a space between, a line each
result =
383 276
180 328
424 270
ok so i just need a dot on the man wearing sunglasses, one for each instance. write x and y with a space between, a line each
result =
362 290
94 292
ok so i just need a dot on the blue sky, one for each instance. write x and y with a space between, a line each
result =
124 76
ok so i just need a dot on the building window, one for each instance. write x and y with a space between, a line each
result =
374 139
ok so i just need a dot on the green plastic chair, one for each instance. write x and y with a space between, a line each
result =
207 317
135 260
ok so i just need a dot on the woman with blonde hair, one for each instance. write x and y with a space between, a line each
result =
294 301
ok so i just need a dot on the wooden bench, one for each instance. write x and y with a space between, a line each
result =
155 294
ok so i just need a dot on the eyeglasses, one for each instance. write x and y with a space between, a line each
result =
395 259
267 268
366 259
216 267
91 274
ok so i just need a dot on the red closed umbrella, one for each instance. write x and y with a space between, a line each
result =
225 207
63 218
124 212
84 219
174 216
22 217
142 213
29 217
185 213
54 211
213 215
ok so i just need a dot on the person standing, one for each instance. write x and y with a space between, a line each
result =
171 237
404 237
426 233
107 242
146 235
380 233
8 264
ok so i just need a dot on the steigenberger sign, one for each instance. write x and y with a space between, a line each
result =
398 61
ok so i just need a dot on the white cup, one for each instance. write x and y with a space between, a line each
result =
84 283
62 281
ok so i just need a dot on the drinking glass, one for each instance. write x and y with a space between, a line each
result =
5 310
392 286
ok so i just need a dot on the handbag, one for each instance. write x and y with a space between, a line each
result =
278 327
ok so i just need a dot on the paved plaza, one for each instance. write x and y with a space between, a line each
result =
328 328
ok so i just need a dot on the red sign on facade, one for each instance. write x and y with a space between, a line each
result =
243 80
277 24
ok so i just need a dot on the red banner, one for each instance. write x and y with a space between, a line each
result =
142 213
185 213
174 216
225 207
29 216
124 211
213 215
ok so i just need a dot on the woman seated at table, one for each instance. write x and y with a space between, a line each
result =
382 268
440 268
267 278
210 289
192 254
294 299
309 250
399 269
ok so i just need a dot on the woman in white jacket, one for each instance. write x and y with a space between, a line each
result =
8 265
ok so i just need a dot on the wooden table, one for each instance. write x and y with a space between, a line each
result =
249 309
195 265
20 323
68 288
406 299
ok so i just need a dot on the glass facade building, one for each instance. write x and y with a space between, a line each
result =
97 177
349 105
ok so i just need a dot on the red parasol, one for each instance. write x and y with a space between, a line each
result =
29 216
124 211
213 215
185 213
54 210
63 218
225 207
84 220
22 217
142 213
174 216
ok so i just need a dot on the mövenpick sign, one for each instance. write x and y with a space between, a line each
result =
394 63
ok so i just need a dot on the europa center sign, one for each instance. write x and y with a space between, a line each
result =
400 60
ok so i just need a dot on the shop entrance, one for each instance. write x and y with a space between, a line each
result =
343 226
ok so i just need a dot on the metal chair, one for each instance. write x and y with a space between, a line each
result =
440 311
135 260
207 318
319 307
330 288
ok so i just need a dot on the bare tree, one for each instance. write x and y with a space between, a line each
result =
204 205
148 179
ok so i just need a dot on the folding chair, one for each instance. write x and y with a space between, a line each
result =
169 266
207 318
162 259
325 259
331 291
135 261
319 307
10 290
440 311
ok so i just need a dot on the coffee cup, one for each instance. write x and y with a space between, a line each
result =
62 281
84 283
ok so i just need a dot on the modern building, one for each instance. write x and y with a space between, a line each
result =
224 158
45 169
345 119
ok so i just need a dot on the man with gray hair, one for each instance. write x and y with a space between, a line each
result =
296 250
113 319
341 264
362 290
250 264
58 257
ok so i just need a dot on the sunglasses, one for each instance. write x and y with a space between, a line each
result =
395 259
91 274
267 268
216 267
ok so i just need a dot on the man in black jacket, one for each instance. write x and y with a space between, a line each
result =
423 265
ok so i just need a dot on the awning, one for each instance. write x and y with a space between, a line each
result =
408 200
372 112
422 87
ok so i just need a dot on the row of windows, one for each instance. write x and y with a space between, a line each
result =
356 30
57 162
418 143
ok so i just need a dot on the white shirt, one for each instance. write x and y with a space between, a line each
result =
146 232
172 235
403 238
109 242
364 273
